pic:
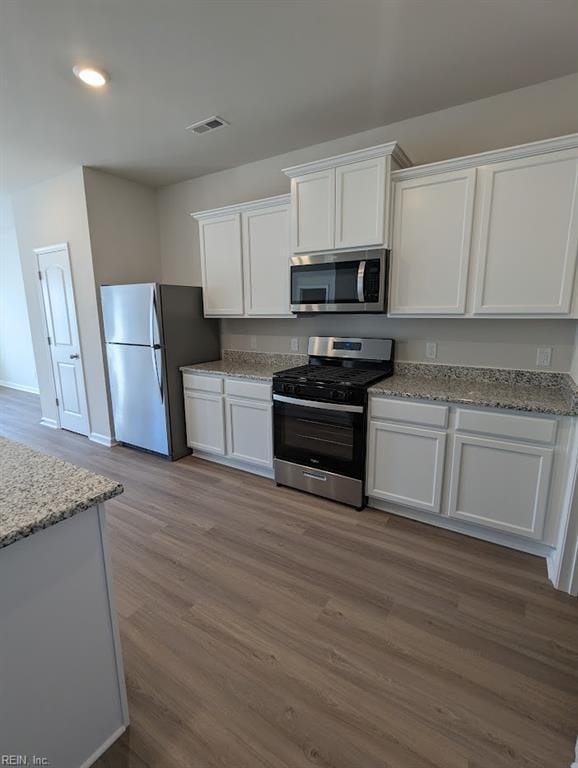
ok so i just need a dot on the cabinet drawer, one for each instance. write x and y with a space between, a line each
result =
203 383
411 413
255 390
513 426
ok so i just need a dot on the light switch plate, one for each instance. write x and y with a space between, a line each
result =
295 344
431 350
544 357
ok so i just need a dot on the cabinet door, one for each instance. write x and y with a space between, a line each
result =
528 235
406 465
360 203
266 250
205 421
313 211
221 264
499 484
250 431
432 230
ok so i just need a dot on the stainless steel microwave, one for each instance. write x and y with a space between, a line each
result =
354 281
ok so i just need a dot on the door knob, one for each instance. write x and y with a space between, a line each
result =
74 357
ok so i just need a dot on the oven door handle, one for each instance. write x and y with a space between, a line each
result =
360 282
320 406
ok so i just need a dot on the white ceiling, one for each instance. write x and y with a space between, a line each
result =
285 74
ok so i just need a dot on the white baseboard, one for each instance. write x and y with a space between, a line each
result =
102 439
103 747
20 387
46 422
254 469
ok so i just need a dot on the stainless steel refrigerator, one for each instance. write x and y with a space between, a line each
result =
150 330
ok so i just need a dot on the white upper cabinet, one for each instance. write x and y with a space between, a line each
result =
360 203
245 259
313 211
432 231
528 235
343 201
266 260
491 234
221 265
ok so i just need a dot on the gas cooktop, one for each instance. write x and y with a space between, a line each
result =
332 374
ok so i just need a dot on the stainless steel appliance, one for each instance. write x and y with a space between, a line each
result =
320 416
354 281
150 330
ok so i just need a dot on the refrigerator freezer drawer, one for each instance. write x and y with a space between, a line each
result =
138 402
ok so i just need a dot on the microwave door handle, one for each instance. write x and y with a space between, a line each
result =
360 282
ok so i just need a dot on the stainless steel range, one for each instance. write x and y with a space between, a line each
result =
320 416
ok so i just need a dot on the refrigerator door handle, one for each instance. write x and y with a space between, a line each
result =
155 346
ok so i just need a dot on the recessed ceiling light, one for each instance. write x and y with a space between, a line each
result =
96 78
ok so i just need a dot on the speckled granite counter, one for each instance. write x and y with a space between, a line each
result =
37 491
531 391
248 365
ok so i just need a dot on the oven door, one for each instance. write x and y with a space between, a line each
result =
339 282
326 436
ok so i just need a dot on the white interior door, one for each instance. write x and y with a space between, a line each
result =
62 328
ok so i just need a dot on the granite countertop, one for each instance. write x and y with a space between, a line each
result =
248 365
37 491
535 392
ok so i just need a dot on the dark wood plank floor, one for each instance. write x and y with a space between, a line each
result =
263 627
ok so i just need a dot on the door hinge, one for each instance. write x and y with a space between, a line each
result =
57 401
49 341
39 275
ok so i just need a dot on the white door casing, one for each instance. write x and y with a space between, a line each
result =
360 203
500 484
432 229
406 465
527 240
57 293
266 251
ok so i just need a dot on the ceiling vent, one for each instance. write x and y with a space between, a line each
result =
209 124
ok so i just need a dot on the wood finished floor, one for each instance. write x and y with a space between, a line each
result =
264 627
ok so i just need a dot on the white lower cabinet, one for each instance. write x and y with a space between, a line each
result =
232 418
205 421
250 431
499 464
406 465
500 484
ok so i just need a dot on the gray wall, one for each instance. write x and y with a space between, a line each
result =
540 111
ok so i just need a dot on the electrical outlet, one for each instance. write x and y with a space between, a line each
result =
253 342
294 344
544 357
431 350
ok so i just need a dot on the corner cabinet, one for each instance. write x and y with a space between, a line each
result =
245 252
494 234
343 201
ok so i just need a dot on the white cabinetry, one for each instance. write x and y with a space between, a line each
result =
431 243
499 465
222 265
528 235
343 201
313 211
245 259
266 260
406 464
507 218
500 484
231 418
